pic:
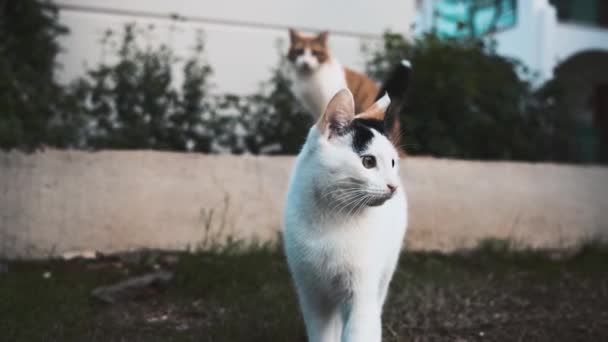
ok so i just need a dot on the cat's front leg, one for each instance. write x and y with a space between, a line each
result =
322 319
362 320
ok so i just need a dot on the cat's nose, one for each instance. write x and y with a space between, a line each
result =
392 188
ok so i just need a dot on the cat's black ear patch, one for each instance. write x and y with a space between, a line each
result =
362 133
378 125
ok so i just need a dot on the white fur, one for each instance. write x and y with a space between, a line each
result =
384 101
342 259
315 87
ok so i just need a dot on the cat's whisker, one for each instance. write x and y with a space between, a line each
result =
348 197
356 205
376 192
351 205
346 182
350 186
345 191
356 200
345 196
395 139
347 203
340 186
335 188
333 191
362 205
362 200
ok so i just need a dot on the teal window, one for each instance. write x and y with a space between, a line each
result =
473 18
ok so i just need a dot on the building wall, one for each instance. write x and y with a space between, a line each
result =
542 42
538 39
60 201
571 39
241 36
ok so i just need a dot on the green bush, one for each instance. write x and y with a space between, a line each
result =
468 102
272 120
133 103
465 100
553 127
34 108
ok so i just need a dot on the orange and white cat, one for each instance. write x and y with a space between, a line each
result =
318 76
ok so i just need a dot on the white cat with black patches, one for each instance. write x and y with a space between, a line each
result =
345 220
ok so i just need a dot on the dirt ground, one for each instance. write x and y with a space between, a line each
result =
490 294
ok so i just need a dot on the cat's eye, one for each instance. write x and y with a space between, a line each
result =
368 161
298 51
317 53
393 161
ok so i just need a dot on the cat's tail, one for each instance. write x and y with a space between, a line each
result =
397 82
396 86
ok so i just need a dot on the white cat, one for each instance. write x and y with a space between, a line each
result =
345 220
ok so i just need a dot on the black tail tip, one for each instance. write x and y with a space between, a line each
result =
397 82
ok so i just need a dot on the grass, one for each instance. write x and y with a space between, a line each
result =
491 293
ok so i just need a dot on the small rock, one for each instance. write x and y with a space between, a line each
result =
47 275
157 319
170 259
182 327
80 255
133 287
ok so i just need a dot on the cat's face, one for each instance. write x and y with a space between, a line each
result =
307 53
361 165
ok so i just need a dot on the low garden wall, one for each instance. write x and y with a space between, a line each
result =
58 201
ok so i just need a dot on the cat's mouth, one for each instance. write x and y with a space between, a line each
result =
354 198
305 68
377 198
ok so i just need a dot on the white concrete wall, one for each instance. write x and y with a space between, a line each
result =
240 35
571 38
60 201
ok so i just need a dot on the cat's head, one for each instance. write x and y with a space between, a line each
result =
307 53
358 164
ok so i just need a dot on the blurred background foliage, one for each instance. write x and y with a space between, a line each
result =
468 102
465 100
34 108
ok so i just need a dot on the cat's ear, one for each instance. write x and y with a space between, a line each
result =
322 37
338 115
377 110
293 35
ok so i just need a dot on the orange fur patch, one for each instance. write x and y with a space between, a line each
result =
364 89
